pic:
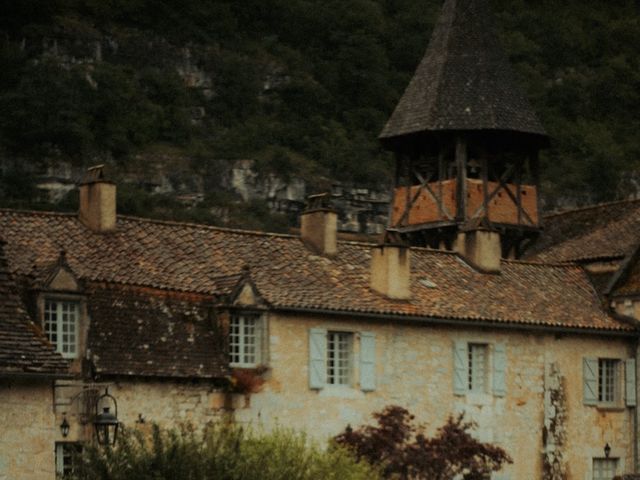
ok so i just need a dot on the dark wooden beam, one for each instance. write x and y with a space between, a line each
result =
461 178
484 165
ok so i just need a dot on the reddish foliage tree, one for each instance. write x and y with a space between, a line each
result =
403 451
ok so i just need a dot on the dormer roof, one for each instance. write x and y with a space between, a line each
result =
464 82
24 350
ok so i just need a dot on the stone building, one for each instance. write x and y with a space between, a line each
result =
465 306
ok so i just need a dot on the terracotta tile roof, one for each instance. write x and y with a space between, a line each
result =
464 81
23 347
147 332
599 232
208 260
631 284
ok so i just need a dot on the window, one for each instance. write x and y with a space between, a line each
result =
339 365
477 357
61 325
479 368
604 468
607 380
333 356
67 454
245 340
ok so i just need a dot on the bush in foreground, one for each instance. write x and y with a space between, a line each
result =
402 450
221 452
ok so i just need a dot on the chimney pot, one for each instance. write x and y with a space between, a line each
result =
480 246
319 225
391 270
97 200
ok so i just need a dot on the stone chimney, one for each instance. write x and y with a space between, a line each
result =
319 225
391 270
97 200
479 243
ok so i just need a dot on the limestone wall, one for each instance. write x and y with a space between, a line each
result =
28 430
414 368
143 402
168 403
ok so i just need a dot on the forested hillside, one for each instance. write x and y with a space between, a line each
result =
303 87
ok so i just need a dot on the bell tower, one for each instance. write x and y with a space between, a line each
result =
466 140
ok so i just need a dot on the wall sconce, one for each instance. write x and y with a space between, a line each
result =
105 422
64 426
607 450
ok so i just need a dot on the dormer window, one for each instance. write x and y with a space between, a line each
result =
245 339
61 325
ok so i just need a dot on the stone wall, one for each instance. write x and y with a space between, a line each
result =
169 403
28 430
414 368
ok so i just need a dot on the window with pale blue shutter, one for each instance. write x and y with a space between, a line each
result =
499 370
367 361
630 382
317 359
590 380
460 368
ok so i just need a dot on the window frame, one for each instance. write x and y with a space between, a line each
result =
239 358
613 460
64 469
79 303
607 368
341 375
477 383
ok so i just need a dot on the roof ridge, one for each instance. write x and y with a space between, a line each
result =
569 264
37 212
591 207
206 226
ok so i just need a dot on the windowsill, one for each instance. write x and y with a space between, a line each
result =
479 398
604 407
257 368
340 391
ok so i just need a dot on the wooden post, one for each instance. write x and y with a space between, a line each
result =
534 164
441 174
407 202
461 178
519 191
484 165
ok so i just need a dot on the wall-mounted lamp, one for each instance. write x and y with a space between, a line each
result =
607 450
64 426
105 422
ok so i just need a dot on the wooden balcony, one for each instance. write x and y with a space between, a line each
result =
438 203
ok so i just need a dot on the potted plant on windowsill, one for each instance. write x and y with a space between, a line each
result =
246 381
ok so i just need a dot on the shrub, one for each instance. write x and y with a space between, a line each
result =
401 449
221 451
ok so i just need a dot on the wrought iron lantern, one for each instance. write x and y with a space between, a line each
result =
607 450
64 426
105 422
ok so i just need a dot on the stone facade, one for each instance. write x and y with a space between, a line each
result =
141 402
414 369
29 430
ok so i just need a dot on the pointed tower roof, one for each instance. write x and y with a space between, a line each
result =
464 81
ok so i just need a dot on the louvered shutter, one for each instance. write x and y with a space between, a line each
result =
460 368
317 359
590 380
630 382
499 370
367 361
